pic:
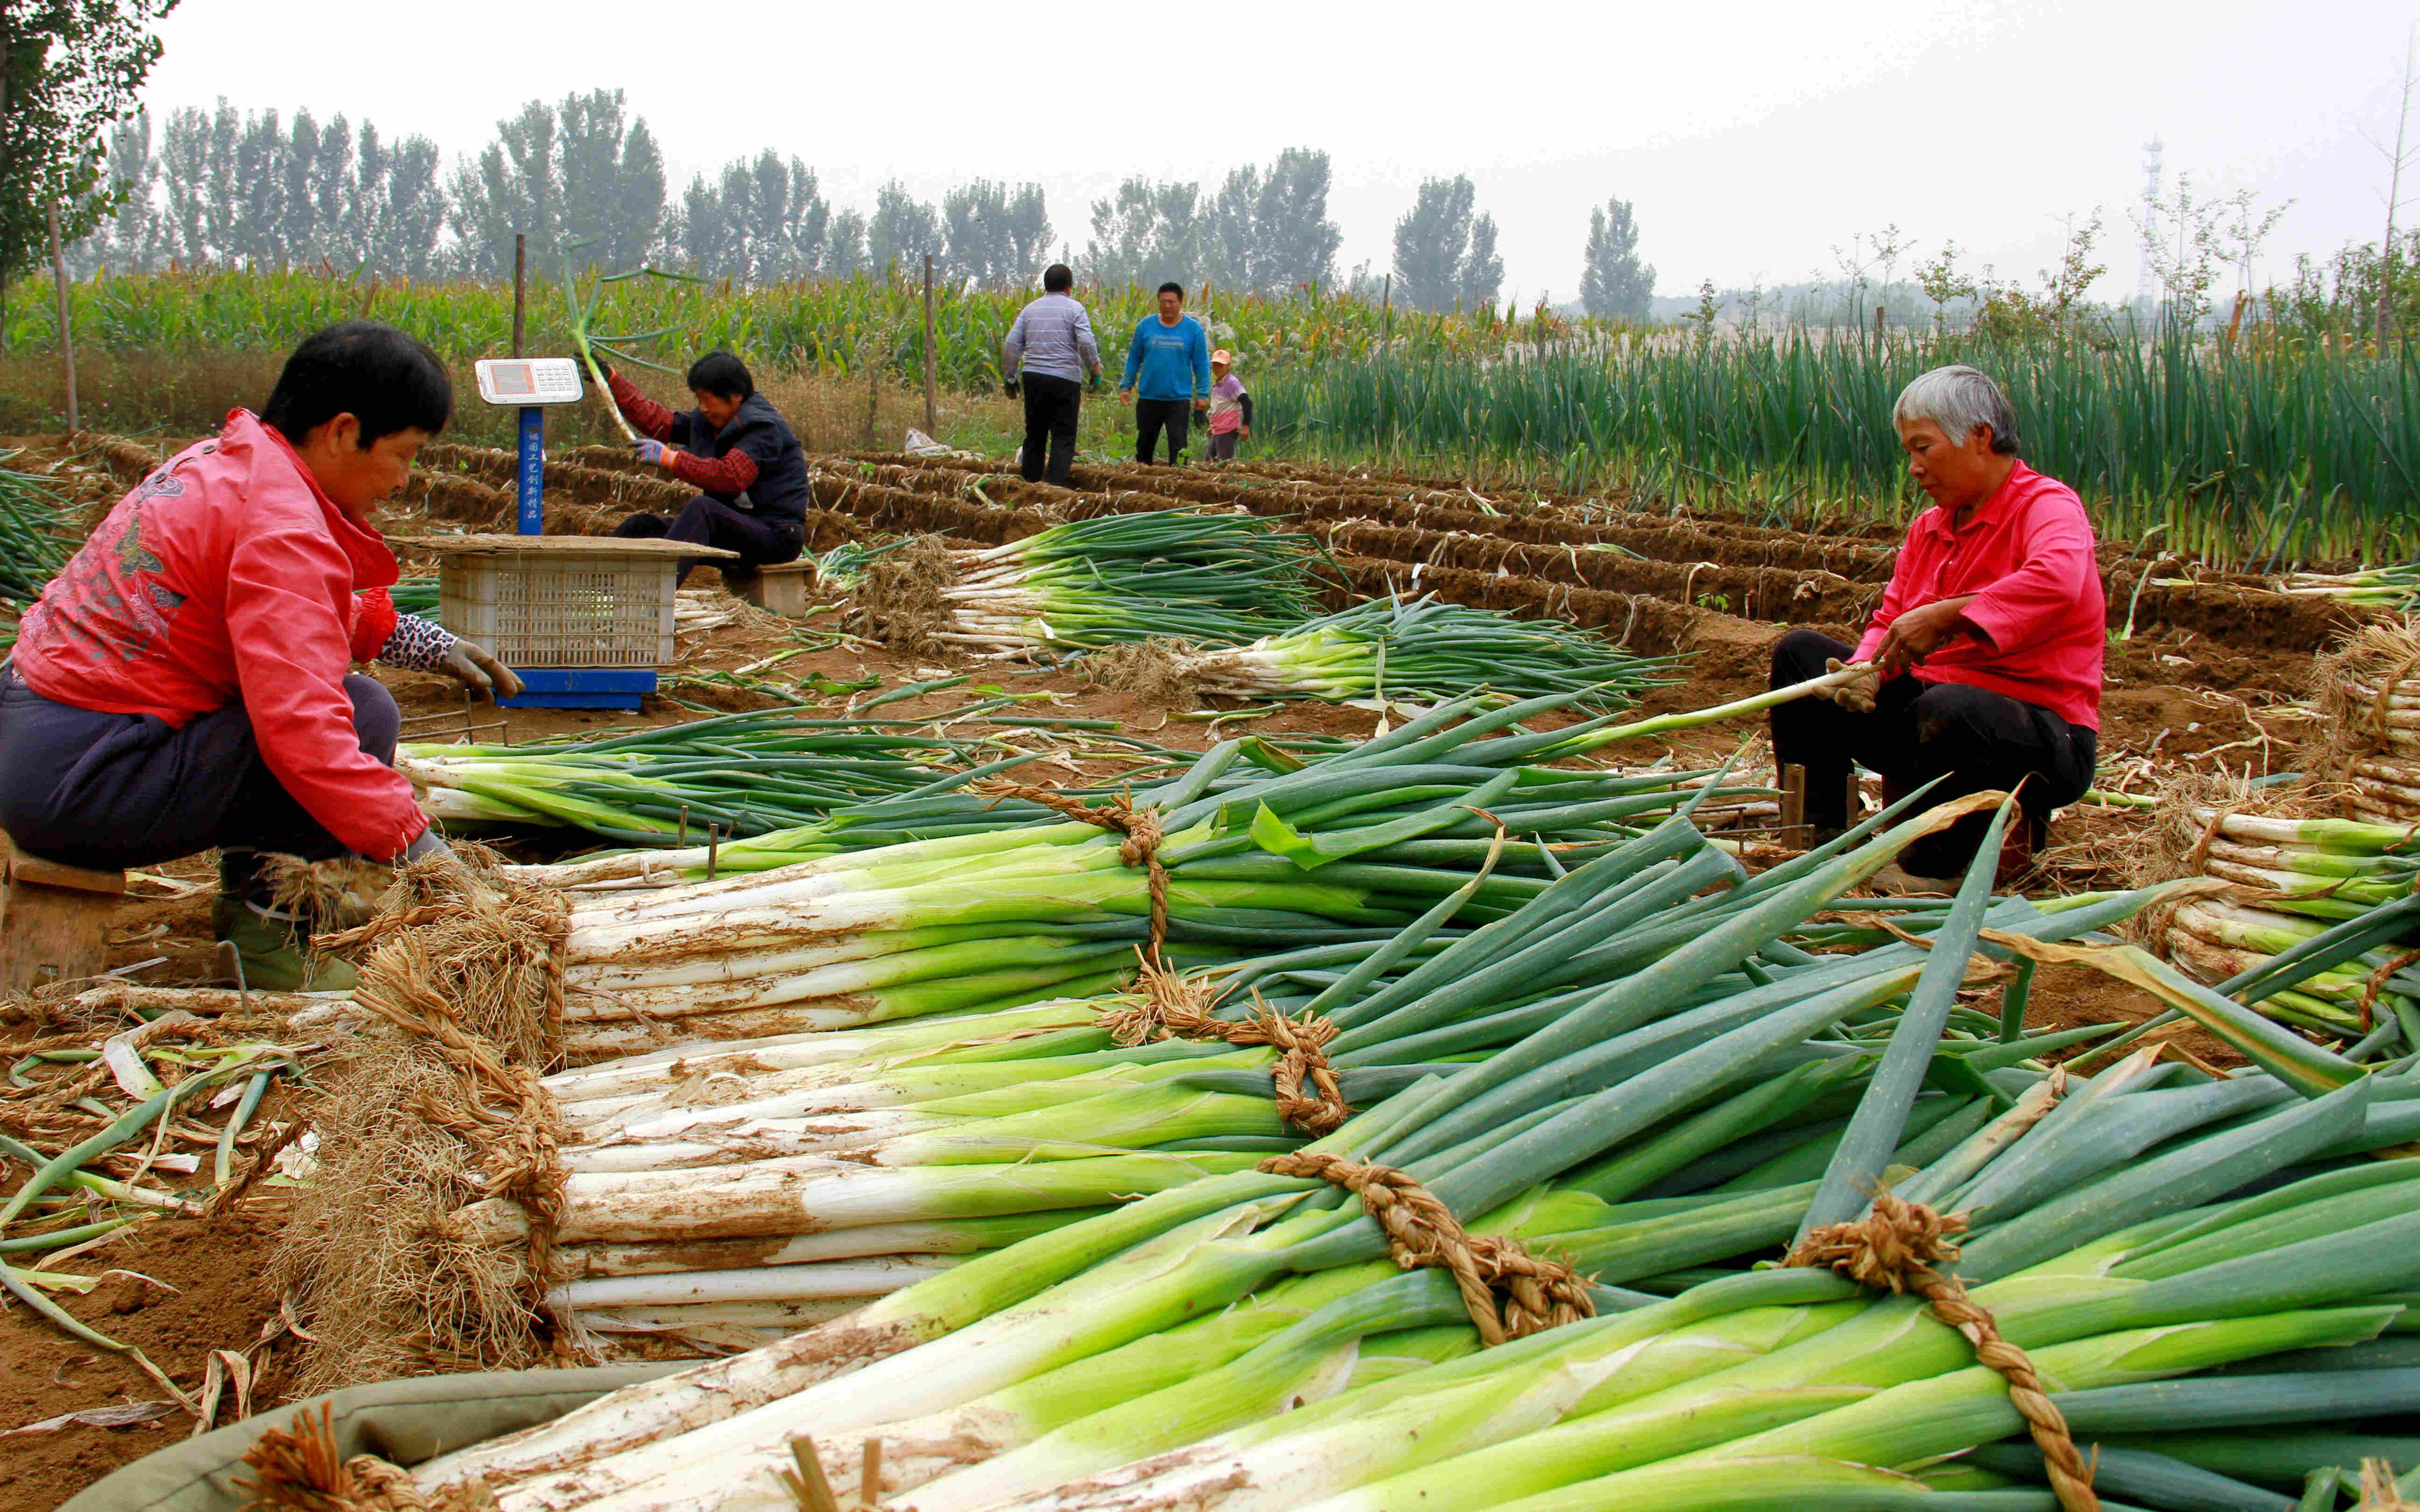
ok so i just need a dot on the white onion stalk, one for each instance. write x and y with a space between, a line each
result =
666 1071
812 1193
829 1281
943 1236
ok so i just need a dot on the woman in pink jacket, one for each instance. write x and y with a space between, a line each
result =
184 683
1986 648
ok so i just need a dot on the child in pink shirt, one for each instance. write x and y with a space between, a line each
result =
1231 406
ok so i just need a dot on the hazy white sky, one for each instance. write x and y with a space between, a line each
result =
1753 138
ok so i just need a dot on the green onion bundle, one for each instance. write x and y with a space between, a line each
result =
2396 588
744 774
1624 995
2301 878
414 595
1220 580
901 1135
1350 848
2216 940
38 532
843 568
1678 1115
1426 649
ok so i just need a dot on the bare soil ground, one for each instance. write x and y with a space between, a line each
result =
2209 676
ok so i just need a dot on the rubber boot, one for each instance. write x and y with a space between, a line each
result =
271 944
236 869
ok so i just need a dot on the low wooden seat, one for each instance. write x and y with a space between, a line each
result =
53 919
781 589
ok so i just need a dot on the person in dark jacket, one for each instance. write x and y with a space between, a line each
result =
738 452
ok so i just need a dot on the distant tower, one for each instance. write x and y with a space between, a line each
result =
2146 280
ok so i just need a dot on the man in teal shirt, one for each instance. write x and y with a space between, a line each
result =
1168 375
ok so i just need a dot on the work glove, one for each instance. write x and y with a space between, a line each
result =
428 847
656 453
473 666
1856 695
1093 383
1011 387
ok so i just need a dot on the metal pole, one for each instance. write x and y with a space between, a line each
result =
521 287
932 415
1386 311
67 335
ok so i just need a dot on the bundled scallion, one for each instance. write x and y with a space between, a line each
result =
414 595
744 774
1221 579
38 533
1347 849
1705 1095
1424 649
2395 586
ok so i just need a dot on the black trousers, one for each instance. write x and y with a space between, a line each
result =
704 521
1052 406
1151 416
110 791
1977 739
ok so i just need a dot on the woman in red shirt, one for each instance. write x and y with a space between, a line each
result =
185 682
1987 645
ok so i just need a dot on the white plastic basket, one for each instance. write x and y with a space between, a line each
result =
543 609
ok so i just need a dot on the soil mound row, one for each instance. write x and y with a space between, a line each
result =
877 494
1436 536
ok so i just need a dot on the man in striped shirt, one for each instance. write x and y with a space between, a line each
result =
1049 353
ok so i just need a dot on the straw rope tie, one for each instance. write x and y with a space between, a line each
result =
2377 985
2380 738
1175 1008
1896 1245
1537 1294
1141 827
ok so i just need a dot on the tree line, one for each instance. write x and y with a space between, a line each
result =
584 178
580 177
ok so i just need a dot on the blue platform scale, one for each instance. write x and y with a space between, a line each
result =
527 385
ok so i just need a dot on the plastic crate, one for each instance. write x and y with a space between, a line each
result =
546 608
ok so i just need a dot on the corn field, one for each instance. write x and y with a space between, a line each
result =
832 327
2252 452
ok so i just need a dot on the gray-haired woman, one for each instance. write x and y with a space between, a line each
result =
1986 647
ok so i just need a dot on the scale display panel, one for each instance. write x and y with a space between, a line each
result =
524 380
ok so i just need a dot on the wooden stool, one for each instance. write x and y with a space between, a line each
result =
781 589
53 919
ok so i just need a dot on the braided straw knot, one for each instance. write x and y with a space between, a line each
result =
1141 827
1537 1294
1174 1008
1898 1245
